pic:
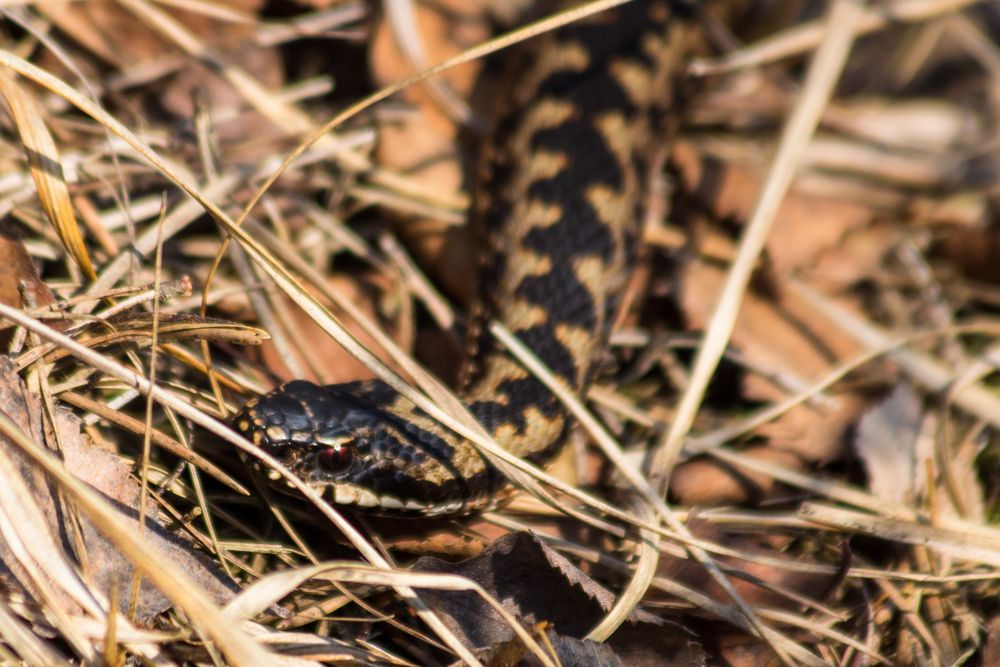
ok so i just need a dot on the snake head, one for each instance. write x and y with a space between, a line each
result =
363 446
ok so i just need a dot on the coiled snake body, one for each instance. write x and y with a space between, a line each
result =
560 202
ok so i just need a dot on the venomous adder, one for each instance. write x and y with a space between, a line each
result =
559 198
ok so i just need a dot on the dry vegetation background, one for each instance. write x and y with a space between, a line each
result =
825 229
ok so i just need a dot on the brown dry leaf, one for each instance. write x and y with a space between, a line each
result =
991 649
19 274
107 30
859 255
448 538
886 443
801 438
970 252
423 143
805 225
818 433
568 650
744 651
708 483
129 43
49 528
328 362
537 584
764 583
784 336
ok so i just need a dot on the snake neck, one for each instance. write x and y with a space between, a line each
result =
559 202
559 199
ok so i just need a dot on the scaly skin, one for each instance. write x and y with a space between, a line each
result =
559 199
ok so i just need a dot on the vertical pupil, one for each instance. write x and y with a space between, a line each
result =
336 459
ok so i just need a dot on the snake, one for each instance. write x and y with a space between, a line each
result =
558 198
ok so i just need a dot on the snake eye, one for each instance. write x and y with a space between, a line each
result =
336 459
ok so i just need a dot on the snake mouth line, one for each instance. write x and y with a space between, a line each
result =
355 496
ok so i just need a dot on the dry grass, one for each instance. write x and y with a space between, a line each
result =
126 204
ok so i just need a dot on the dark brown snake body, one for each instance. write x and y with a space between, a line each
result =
560 201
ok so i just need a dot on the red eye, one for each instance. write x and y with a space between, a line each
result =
337 459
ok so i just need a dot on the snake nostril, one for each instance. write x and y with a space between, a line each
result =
336 459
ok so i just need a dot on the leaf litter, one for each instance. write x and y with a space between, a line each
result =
857 523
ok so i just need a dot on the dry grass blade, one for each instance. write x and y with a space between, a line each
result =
47 171
797 621
979 545
183 408
31 648
806 36
644 573
643 576
833 525
137 331
161 440
824 70
975 399
166 576
175 221
268 590
823 73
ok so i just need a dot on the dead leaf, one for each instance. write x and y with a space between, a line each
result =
805 225
19 273
761 582
568 651
886 443
706 482
537 584
991 648
424 143
802 438
784 336
129 43
970 252
104 565
328 362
